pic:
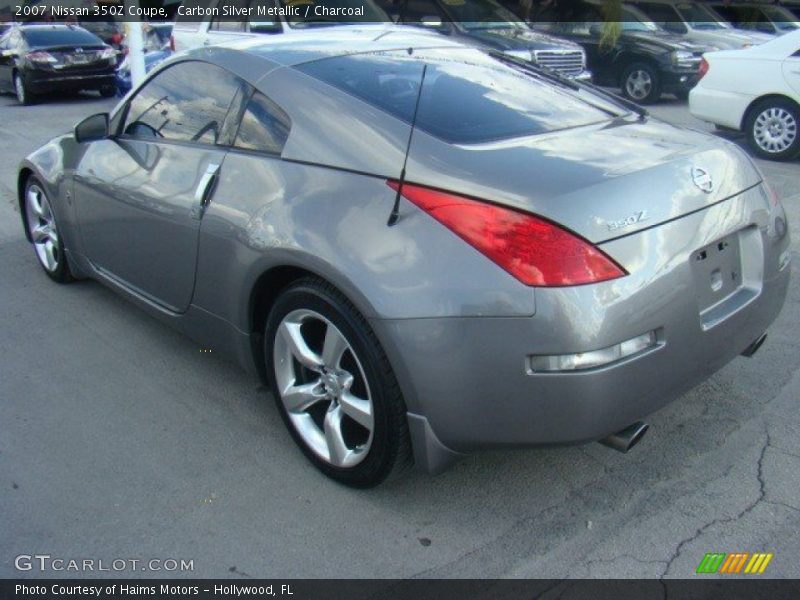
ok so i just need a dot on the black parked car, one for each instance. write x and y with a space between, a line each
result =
644 61
487 23
37 59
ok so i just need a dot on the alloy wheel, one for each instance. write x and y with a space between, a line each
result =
322 386
42 227
19 88
774 130
639 84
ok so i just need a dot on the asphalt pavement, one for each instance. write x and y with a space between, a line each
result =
119 439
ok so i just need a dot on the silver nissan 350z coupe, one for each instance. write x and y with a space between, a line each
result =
427 249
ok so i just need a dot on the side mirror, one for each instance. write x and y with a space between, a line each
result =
92 128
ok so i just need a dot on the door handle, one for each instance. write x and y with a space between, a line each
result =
203 192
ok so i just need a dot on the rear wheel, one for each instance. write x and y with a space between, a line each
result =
641 83
44 232
771 127
334 386
24 96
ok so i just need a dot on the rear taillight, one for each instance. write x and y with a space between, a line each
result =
534 250
41 57
703 69
172 43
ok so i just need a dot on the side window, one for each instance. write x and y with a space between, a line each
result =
414 11
259 14
230 23
264 127
185 102
661 14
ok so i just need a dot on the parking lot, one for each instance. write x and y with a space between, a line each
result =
120 439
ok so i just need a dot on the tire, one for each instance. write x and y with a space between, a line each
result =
43 230
24 96
641 82
771 126
342 366
108 91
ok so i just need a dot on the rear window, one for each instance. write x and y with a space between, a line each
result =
60 36
467 96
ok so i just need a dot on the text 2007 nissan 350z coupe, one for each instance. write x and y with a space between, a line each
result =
427 249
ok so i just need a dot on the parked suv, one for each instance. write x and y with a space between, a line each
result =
695 23
487 23
191 31
644 61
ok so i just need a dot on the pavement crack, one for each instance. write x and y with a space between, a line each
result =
746 510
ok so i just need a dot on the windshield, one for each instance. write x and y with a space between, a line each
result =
699 17
633 21
332 12
780 17
480 14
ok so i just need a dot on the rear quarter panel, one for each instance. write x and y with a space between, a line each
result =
269 212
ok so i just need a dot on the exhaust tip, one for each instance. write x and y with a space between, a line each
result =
753 348
624 440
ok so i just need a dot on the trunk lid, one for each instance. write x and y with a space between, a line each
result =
600 181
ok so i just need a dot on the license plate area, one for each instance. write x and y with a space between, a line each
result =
77 59
723 282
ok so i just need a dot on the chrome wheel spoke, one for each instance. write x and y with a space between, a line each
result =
357 409
338 452
35 201
333 347
298 347
42 227
50 255
299 398
40 233
329 407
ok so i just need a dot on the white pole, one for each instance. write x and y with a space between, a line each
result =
136 48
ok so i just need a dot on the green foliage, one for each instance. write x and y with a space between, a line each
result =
612 10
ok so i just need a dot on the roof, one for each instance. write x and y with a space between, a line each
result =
307 46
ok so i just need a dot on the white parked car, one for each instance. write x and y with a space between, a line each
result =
209 22
755 90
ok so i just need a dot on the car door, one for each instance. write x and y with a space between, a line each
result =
141 194
791 73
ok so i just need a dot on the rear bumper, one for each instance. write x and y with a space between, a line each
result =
468 384
40 82
722 108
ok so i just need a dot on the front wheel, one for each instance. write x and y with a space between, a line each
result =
771 128
641 83
44 234
334 386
